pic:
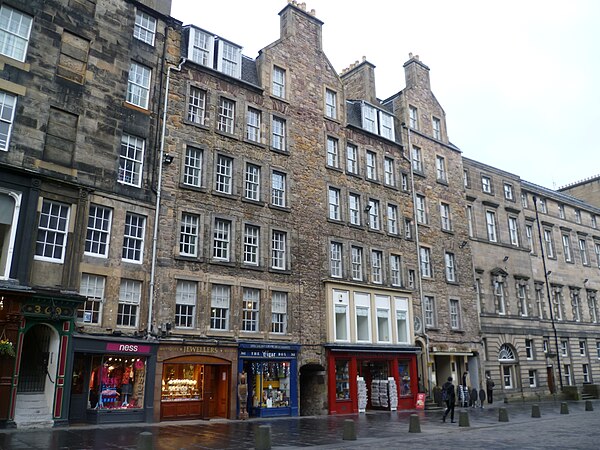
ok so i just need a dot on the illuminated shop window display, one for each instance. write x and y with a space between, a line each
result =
342 380
182 382
270 384
117 382
404 376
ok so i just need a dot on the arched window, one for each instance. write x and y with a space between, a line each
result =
506 353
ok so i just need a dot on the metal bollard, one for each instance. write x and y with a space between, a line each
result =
349 430
262 438
502 415
145 441
535 410
564 408
463 419
414 425
588 405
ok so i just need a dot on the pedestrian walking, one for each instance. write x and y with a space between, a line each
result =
449 396
489 386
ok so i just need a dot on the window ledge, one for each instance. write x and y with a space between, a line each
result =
227 135
139 109
201 126
286 209
192 188
253 202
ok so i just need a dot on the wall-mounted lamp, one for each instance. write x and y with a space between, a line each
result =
585 281
462 245
548 273
168 159
505 259
367 208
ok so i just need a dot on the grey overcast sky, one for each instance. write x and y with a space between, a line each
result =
519 80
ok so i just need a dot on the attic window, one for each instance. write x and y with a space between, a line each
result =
200 48
230 59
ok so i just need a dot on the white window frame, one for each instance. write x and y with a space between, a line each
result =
278 250
566 241
437 128
388 171
8 106
192 169
396 270
134 238
583 252
454 308
377 266
138 85
440 168
97 240
445 217
278 133
422 216
490 219
253 124
278 86
356 255
352 158
251 310
222 238
413 117
252 182
371 165
220 307
131 160
201 47
486 184
425 258
508 191
341 316
279 312
529 234
229 59
374 216
335 259
470 221
189 232
130 295
392 219
522 297
144 28
513 230
429 311
450 262
333 152
224 174
251 250
278 189
354 210
185 303
369 118
14 36
226 116
417 159
548 242
53 228
386 126
333 198
383 316
196 106
529 349
402 315
330 103
93 288
362 305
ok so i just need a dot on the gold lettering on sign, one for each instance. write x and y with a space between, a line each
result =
199 349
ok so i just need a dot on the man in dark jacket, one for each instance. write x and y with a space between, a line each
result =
448 389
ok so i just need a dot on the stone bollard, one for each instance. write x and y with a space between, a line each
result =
414 426
262 438
349 430
502 415
145 441
535 411
463 419
588 405
564 408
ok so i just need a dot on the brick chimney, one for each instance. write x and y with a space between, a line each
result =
416 73
359 81
301 25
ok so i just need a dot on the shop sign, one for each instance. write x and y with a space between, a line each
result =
199 349
127 348
268 354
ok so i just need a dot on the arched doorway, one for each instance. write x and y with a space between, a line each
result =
313 390
37 375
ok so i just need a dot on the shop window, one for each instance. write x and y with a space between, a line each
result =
117 382
182 382
342 380
269 383
404 375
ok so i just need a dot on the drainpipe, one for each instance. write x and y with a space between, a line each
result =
417 244
161 156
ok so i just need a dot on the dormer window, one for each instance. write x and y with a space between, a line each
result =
230 59
201 46
369 118
377 122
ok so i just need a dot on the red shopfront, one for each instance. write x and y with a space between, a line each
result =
362 379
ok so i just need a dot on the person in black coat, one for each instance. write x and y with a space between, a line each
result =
450 399
489 385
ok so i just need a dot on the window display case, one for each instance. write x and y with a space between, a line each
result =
182 391
342 380
117 382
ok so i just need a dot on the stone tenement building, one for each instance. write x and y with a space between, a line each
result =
537 295
80 93
186 232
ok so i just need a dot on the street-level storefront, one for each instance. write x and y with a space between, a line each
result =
113 379
367 378
272 376
194 381
37 389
